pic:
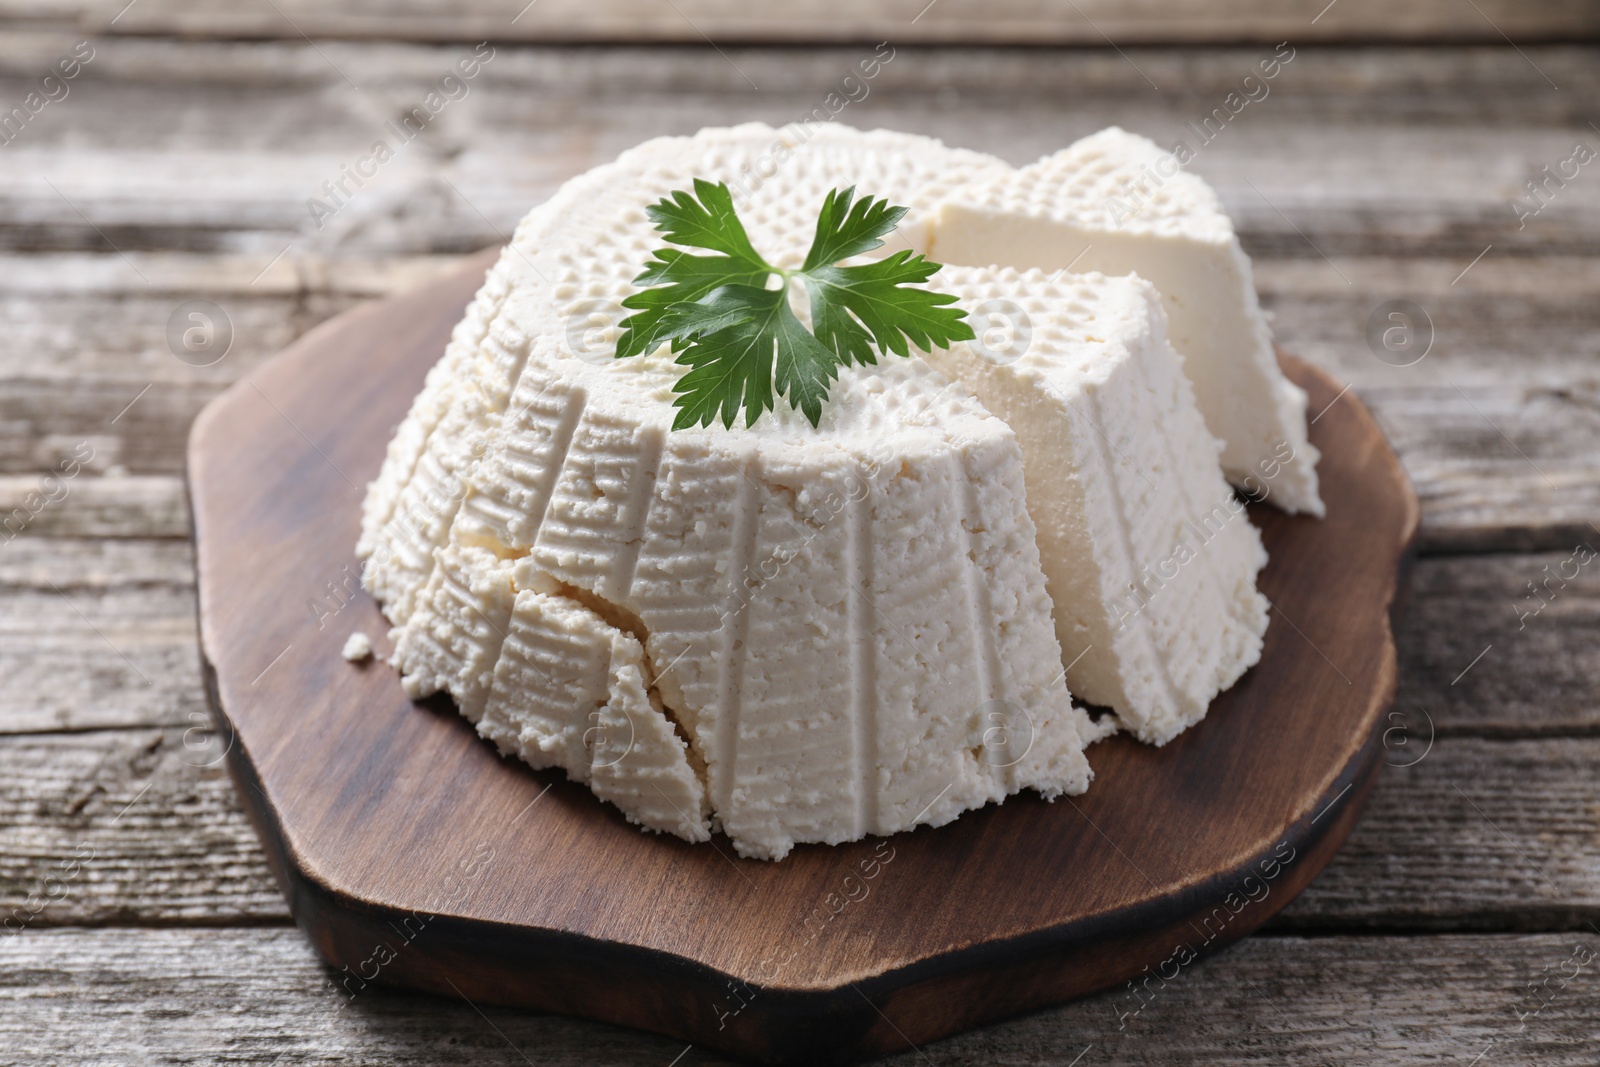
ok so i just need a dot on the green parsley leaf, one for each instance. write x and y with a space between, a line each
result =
884 298
738 335
729 354
711 222
843 232
682 280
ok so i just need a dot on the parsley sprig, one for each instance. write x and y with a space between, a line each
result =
728 319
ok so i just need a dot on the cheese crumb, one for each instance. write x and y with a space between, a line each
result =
357 648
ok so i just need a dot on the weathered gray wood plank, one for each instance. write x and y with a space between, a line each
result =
1480 834
94 365
1492 499
94 354
127 827
1498 468
121 506
259 996
1529 320
1392 151
96 634
1089 22
93 566
76 315
1482 653
196 160
1499 421
1477 833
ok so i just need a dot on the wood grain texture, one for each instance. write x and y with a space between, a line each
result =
128 827
123 506
91 361
1504 646
1477 834
1165 839
1422 857
84 658
1087 22
184 997
89 335
66 605
1496 470
1365 152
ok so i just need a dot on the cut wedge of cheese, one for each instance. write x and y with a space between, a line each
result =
1117 203
849 624
464 610
571 690
1149 556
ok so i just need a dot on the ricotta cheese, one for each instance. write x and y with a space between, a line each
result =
1116 202
795 634
803 634
1149 558
357 647
571 690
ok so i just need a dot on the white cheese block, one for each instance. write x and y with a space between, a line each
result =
849 623
1115 202
1149 556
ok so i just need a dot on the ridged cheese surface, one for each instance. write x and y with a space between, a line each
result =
1150 559
806 634
1117 203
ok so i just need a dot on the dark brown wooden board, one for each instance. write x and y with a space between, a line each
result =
412 854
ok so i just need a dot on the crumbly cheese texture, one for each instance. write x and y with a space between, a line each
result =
786 633
1149 557
357 647
1117 203
571 690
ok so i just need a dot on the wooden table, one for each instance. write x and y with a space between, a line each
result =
1463 918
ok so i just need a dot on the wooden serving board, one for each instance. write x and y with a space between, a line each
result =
411 853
